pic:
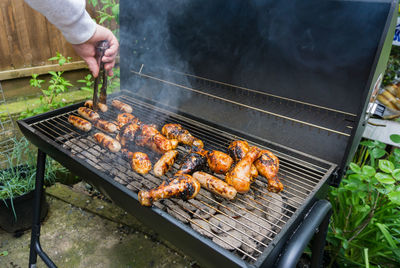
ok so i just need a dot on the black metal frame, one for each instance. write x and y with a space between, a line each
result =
35 248
192 243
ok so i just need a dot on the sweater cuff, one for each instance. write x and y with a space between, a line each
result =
81 30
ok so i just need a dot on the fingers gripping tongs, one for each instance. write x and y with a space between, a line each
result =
101 47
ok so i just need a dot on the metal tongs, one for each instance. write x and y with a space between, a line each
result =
101 47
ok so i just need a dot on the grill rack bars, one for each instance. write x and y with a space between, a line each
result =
253 108
298 180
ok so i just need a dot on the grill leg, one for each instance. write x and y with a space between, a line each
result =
35 248
318 243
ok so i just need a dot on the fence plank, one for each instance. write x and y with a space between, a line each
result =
21 32
5 55
38 36
28 40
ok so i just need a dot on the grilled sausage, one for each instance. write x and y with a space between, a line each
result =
122 106
80 123
88 114
219 162
105 126
107 142
126 118
165 163
140 163
183 186
102 106
215 185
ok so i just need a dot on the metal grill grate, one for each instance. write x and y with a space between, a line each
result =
245 226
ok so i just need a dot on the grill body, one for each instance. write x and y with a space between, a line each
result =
283 75
54 136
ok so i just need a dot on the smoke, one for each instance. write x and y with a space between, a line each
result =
146 46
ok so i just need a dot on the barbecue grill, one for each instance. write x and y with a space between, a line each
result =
211 67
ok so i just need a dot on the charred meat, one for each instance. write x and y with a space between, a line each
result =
240 176
102 106
105 126
219 162
165 163
80 123
175 131
238 149
215 185
119 105
183 186
268 165
127 133
107 142
140 163
193 162
125 118
150 137
88 114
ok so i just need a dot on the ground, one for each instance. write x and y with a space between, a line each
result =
80 231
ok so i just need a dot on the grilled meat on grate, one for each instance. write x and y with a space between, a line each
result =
219 162
80 123
240 176
182 186
165 163
215 185
238 149
175 131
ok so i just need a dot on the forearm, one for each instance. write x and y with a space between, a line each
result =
70 16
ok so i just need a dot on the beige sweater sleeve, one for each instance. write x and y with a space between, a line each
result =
70 16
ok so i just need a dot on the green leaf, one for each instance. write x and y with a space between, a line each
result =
368 143
368 171
386 166
355 168
4 253
53 73
395 138
396 174
115 10
386 234
53 58
380 144
102 20
378 152
384 178
394 197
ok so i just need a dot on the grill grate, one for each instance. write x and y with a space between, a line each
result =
246 226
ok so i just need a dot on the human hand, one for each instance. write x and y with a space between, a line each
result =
87 50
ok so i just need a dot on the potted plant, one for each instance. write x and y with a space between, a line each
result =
17 183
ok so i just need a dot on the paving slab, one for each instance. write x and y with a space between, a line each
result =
77 237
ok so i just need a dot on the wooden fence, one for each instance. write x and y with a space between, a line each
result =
28 40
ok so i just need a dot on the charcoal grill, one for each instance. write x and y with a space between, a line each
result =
181 80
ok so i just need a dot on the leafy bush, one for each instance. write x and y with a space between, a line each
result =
58 84
365 226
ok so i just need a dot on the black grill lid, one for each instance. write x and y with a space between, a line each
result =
321 58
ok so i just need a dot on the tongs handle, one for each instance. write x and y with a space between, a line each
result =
101 47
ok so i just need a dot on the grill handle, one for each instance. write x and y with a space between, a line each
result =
315 222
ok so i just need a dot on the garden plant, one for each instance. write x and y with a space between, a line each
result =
365 225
